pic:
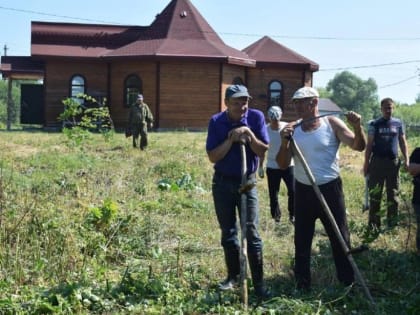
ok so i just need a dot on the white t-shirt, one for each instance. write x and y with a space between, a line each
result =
274 146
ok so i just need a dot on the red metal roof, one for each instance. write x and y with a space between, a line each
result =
21 67
178 31
269 52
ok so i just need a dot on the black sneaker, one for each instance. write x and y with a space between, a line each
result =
262 293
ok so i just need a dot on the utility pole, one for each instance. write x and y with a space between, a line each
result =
9 96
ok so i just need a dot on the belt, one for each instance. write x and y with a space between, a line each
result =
233 177
385 157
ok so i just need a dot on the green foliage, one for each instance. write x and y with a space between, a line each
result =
15 114
352 93
410 115
184 182
93 233
104 215
84 115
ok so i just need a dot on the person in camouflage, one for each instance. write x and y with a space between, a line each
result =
139 120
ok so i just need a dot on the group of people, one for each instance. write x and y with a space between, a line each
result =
318 138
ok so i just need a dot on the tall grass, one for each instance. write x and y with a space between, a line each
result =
108 229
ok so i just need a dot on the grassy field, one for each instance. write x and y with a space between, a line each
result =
102 228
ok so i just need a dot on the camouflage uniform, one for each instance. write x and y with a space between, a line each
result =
140 118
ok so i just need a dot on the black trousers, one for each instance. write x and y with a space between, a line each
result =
274 177
307 209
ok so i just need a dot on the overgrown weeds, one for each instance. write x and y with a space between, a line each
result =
114 230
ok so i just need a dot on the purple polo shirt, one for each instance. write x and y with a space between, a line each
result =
218 129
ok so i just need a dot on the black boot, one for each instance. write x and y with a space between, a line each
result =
233 267
256 265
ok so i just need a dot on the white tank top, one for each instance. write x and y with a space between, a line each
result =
319 147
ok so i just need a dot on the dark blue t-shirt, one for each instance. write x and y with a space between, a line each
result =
218 129
386 136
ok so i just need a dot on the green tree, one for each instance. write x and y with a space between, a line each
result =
418 99
15 102
410 115
352 93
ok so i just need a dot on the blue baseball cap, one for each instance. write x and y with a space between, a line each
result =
235 91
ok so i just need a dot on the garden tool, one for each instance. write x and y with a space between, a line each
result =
366 204
298 154
243 218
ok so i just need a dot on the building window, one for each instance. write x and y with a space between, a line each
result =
275 94
132 87
78 86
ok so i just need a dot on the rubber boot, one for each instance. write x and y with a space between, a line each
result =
233 268
257 273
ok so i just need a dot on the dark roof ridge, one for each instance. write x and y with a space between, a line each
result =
267 50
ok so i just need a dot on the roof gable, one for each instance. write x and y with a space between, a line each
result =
268 51
178 31
327 105
181 20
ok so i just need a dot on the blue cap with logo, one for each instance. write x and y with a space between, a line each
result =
235 91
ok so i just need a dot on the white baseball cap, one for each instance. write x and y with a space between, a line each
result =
305 92
274 113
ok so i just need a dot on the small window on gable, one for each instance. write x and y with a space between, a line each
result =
275 94
78 86
132 87
238 80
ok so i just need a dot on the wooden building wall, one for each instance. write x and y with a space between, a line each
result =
181 94
189 94
119 71
58 74
292 79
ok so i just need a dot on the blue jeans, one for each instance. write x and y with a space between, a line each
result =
227 200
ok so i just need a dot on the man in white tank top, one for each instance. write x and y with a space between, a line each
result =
319 139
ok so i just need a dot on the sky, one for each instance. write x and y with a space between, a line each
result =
378 39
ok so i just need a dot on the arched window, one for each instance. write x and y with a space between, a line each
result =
77 86
238 80
275 94
132 87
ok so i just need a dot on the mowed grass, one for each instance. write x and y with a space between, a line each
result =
103 228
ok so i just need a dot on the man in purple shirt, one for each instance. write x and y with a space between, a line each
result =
226 131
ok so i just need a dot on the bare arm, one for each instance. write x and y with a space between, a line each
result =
245 134
220 151
404 149
355 139
242 134
284 156
368 153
